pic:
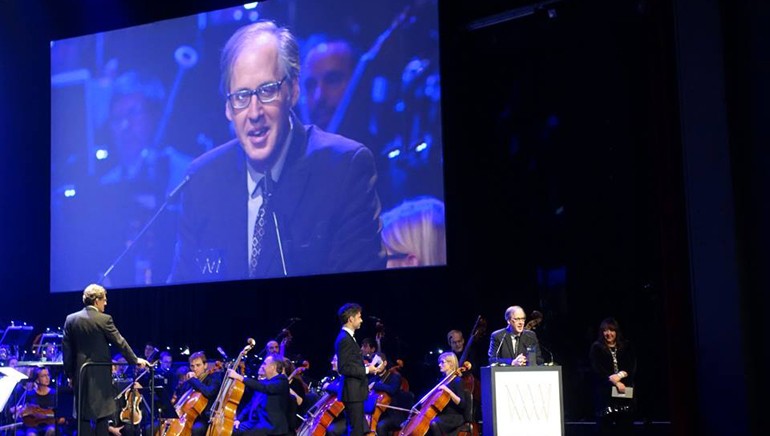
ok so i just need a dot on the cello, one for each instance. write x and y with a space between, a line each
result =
226 404
323 413
188 407
432 404
383 398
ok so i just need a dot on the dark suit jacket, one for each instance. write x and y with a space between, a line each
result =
506 353
350 364
87 335
268 407
325 202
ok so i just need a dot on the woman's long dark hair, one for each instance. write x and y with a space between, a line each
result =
610 324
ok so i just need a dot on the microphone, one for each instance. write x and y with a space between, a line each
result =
149 223
222 352
267 192
375 319
497 353
295 319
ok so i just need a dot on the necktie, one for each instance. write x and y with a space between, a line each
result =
259 233
516 340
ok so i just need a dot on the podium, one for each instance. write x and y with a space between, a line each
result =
522 400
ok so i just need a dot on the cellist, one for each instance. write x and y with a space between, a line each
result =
453 416
266 413
387 383
207 382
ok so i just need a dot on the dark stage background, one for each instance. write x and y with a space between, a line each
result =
569 189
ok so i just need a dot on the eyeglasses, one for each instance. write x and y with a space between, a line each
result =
520 319
265 94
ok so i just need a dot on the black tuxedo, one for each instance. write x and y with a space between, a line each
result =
355 384
325 202
87 335
505 353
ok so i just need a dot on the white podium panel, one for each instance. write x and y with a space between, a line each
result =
522 401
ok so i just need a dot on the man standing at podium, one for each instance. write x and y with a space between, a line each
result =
513 345
87 335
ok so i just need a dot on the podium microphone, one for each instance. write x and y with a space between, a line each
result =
497 353
174 192
267 193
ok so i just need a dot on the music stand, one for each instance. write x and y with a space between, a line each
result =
15 336
9 377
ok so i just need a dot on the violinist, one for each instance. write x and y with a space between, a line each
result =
267 412
38 412
458 410
206 381
165 382
121 379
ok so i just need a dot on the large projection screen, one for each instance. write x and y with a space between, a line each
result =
132 108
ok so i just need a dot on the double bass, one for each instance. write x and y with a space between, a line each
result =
431 405
383 399
225 406
469 381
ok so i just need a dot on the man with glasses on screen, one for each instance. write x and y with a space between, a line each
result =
513 345
281 198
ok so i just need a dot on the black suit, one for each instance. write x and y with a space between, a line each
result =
87 335
505 353
325 203
355 387
266 413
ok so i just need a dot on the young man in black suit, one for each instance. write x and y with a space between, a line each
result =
87 335
355 388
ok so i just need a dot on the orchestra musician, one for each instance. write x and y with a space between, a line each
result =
207 381
267 412
387 382
368 348
38 412
87 335
121 379
354 390
449 420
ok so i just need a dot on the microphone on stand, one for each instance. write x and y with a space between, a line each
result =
174 192
267 193
295 319
497 353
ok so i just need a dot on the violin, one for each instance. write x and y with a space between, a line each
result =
132 413
431 404
226 404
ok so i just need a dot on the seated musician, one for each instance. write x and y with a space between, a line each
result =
266 413
121 379
458 410
331 386
206 381
388 382
298 390
368 348
165 383
38 411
